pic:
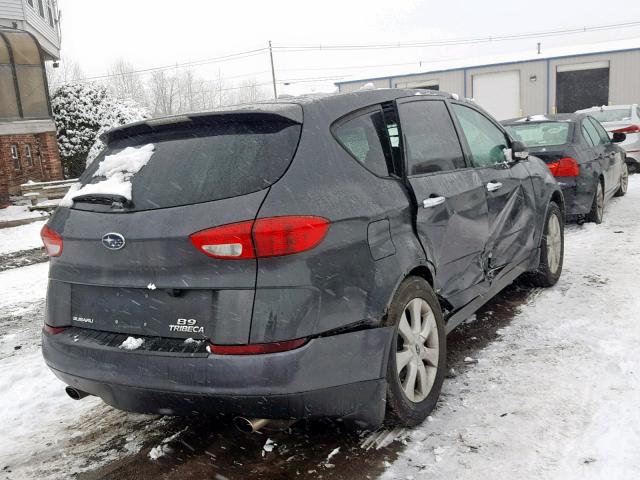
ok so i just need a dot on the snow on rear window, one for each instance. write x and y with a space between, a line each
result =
227 156
114 174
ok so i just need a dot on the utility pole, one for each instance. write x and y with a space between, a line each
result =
273 73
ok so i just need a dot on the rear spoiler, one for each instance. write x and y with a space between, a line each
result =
278 111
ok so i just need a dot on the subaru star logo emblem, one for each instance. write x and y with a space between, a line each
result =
113 241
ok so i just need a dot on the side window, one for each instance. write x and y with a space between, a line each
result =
585 133
431 143
486 141
602 133
15 157
365 137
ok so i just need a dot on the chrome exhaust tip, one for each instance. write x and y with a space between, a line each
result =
76 394
250 425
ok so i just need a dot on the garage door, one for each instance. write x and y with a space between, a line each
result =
498 93
582 85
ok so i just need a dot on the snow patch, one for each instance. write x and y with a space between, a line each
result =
269 445
368 86
117 169
131 343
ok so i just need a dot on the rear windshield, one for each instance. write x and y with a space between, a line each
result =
226 157
612 115
540 134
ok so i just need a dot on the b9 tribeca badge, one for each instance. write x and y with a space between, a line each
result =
186 325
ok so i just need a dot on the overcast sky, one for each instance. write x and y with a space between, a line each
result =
152 33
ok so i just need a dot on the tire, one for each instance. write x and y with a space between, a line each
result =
411 408
597 207
551 250
624 181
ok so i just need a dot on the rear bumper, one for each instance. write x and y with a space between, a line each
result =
335 376
578 197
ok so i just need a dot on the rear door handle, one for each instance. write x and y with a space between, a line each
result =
432 201
493 186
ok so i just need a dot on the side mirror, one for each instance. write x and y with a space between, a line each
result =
618 137
519 151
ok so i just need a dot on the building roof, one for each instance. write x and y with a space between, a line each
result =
507 58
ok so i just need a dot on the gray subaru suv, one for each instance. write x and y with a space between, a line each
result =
294 259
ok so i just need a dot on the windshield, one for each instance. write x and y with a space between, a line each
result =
612 115
540 134
225 158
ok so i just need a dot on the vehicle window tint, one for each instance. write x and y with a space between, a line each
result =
486 141
540 134
431 143
227 156
602 133
365 137
586 135
638 112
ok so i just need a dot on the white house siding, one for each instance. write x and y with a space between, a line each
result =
10 10
28 18
40 27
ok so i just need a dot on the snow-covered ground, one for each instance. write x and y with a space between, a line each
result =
558 396
17 212
555 397
23 237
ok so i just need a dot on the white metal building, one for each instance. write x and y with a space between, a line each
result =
556 81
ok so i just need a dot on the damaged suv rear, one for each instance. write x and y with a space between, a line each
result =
283 260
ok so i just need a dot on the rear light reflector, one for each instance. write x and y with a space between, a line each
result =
231 241
53 330
629 129
52 241
256 348
265 237
565 167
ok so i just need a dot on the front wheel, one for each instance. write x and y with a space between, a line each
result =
417 359
551 250
624 181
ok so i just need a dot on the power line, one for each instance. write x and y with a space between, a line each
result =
458 41
224 58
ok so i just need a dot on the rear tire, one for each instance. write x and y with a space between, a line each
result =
417 359
597 207
624 181
551 250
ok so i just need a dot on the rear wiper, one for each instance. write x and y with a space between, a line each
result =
112 199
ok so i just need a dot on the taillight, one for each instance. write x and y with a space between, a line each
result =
52 241
629 129
256 348
53 330
265 237
565 167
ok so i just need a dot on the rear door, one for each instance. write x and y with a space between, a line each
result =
612 159
451 207
508 188
154 280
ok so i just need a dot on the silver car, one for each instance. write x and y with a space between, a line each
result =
624 119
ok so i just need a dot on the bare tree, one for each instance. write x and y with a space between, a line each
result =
67 71
163 91
125 84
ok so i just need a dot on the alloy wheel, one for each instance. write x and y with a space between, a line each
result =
417 351
554 243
